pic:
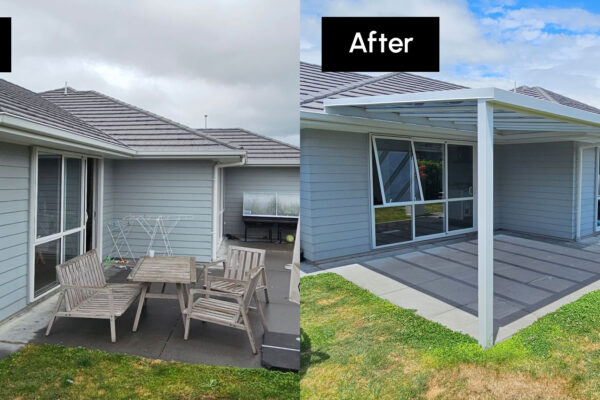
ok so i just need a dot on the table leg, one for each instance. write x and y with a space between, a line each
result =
140 306
181 301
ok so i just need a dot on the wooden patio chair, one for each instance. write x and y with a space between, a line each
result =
236 267
86 294
226 312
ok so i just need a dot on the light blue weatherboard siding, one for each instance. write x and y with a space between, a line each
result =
588 198
14 227
334 190
254 179
165 187
535 188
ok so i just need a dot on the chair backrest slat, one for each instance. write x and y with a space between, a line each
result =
84 270
241 260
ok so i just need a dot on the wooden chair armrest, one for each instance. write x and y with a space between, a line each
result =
213 263
222 279
213 293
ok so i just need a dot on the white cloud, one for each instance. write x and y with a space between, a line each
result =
556 48
234 60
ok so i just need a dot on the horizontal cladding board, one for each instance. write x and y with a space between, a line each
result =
13 308
165 187
18 261
14 227
335 168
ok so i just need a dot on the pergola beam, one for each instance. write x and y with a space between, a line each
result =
485 223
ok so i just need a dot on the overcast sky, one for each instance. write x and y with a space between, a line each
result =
550 43
235 60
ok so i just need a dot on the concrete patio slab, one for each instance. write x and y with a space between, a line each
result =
532 277
160 332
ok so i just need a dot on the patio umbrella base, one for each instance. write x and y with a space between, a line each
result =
281 351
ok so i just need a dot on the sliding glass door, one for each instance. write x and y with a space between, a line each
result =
421 189
59 215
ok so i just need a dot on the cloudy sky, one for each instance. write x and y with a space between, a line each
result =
550 43
235 60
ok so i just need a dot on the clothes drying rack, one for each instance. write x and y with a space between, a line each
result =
156 227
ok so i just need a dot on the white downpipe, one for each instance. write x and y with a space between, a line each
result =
216 190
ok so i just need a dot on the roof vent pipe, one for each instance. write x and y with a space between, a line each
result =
65 88
205 121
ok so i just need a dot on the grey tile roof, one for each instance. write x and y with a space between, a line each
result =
554 97
315 86
137 128
352 86
259 148
20 102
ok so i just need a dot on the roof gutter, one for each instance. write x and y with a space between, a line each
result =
216 240
27 130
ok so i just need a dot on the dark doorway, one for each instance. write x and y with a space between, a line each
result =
90 205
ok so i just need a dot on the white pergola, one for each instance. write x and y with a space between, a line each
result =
487 116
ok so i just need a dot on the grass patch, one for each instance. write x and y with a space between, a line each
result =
56 372
356 345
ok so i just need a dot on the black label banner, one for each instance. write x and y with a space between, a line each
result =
5 44
380 44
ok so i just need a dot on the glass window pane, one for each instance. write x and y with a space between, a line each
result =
260 204
460 215
73 184
393 225
460 171
430 160
396 164
47 257
429 219
71 244
288 204
377 200
48 194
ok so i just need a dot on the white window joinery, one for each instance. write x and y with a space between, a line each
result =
421 189
59 215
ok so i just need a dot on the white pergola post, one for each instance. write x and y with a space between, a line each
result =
485 222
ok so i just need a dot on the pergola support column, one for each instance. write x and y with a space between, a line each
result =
485 222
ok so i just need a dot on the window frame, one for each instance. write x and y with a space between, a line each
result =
372 153
33 215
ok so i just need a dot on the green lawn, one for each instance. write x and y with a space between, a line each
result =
56 372
358 346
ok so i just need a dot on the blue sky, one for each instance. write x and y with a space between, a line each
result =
554 44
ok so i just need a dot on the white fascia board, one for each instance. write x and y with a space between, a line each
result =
273 163
26 129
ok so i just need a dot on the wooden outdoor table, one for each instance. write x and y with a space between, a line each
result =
178 270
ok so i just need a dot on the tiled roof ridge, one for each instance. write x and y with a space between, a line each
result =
255 134
60 119
164 119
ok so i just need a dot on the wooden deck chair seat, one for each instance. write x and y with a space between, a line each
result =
85 293
236 268
232 312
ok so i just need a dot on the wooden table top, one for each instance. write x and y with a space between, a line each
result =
173 269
